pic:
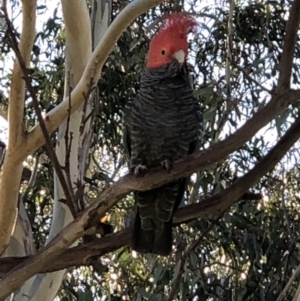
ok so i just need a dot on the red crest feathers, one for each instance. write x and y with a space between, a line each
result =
178 23
170 38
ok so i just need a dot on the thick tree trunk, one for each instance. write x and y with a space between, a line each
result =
22 143
12 167
78 52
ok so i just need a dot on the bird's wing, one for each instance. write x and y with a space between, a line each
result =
126 132
200 129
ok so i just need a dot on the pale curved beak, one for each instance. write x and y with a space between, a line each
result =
179 56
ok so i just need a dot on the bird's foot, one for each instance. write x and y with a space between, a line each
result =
166 164
140 170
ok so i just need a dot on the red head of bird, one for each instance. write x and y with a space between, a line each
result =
171 40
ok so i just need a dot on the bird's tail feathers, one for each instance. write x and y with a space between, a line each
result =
152 241
152 231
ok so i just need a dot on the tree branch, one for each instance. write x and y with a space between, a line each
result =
79 40
154 178
17 88
92 72
289 284
12 169
186 253
90 76
228 197
82 255
250 78
49 149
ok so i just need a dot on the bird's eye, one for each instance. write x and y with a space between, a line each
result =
163 52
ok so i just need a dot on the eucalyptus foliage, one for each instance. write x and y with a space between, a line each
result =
252 250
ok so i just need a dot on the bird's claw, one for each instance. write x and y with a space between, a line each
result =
166 164
140 170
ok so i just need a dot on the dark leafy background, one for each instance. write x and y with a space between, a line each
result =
252 250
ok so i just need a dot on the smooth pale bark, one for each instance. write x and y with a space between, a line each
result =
109 197
90 75
17 153
83 224
78 52
21 242
31 142
12 168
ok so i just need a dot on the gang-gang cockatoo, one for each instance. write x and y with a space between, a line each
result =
161 125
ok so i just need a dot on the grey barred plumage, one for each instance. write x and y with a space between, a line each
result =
161 124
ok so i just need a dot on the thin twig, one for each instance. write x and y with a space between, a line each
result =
112 195
229 103
84 119
84 142
289 44
251 79
33 176
289 284
297 295
68 147
292 244
229 48
116 171
155 178
285 213
186 253
49 148
224 265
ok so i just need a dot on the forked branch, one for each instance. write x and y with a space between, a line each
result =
49 148
12 169
153 179
90 76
